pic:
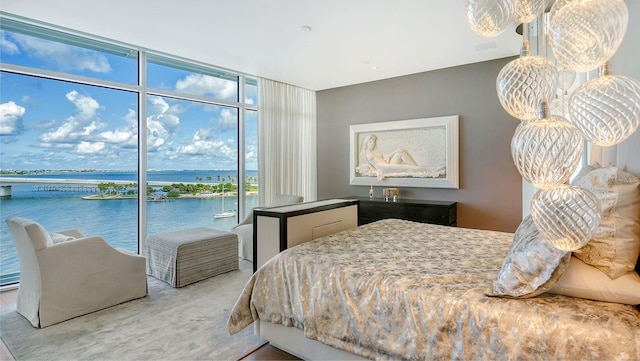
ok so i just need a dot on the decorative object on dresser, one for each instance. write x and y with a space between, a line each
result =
278 228
435 212
390 194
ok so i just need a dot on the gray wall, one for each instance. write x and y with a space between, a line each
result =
490 194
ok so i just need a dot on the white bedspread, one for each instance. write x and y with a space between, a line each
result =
403 290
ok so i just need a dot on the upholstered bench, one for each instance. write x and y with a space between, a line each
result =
190 255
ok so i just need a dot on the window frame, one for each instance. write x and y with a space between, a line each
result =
70 37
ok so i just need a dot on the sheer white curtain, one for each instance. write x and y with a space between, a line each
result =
287 155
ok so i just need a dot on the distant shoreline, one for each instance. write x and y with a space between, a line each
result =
97 197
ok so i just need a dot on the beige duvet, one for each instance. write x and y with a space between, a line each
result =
402 290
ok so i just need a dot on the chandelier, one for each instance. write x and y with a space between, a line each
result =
548 143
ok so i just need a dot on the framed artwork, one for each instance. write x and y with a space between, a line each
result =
406 153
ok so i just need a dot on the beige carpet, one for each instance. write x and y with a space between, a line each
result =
188 323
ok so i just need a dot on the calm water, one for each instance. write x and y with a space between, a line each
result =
115 220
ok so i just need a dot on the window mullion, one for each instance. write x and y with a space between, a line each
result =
142 150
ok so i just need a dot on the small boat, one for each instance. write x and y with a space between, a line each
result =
224 214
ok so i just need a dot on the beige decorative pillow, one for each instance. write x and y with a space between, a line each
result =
615 246
59 237
532 265
583 281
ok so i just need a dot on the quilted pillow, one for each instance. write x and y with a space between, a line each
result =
615 246
584 281
532 265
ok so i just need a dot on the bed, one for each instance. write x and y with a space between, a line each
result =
396 289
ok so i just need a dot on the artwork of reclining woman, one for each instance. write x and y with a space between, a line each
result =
405 153
398 163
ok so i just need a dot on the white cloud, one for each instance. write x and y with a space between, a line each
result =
86 106
83 124
228 118
203 142
209 147
89 129
162 124
55 145
7 46
117 136
43 125
131 118
89 147
62 134
126 136
64 57
11 118
157 135
158 105
207 85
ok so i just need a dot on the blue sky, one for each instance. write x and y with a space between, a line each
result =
49 124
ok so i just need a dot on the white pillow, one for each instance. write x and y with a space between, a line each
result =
59 237
615 245
583 281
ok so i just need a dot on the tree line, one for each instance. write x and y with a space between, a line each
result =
175 189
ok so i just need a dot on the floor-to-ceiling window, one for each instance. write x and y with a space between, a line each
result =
81 126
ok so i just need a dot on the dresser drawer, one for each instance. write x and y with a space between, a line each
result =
444 213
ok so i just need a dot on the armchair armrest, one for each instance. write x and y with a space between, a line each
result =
247 220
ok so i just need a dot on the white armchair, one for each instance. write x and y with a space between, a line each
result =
244 229
65 274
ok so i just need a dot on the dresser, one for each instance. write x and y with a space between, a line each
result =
435 212
278 228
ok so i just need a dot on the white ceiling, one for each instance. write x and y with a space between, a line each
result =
263 37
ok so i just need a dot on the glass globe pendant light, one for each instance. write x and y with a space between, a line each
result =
566 216
527 10
488 18
525 82
546 151
606 109
583 34
560 105
566 78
